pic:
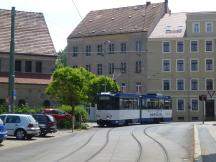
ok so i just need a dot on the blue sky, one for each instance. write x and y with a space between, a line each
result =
62 17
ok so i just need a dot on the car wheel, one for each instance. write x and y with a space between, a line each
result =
43 134
20 134
1 140
29 136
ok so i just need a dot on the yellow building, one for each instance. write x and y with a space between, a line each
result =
182 47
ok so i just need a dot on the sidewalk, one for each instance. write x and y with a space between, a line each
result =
205 142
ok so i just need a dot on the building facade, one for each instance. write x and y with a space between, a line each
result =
35 57
113 42
186 65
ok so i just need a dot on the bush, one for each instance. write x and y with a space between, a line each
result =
65 123
3 109
26 109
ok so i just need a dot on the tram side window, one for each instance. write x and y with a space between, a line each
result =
128 103
167 104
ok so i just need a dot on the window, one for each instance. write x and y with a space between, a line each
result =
181 118
75 51
180 47
99 69
18 66
111 48
208 46
123 67
46 103
179 65
194 46
75 66
196 27
138 67
166 47
88 50
194 105
88 67
194 84
138 46
21 102
209 84
194 65
209 65
99 49
13 119
123 47
180 84
166 85
138 87
123 87
28 66
38 67
111 68
209 27
166 65
180 104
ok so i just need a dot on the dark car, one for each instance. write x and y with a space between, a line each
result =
58 114
47 123
3 131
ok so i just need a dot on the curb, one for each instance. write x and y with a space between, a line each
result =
197 148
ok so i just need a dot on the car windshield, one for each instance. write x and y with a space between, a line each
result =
31 119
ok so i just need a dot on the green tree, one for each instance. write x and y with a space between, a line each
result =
61 60
68 87
102 84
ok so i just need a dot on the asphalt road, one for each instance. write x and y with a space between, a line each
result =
136 143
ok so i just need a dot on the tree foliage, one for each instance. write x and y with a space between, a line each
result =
75 85
67 86
61 60
102 84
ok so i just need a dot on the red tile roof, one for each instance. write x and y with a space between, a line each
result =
120 20
31 33
40 79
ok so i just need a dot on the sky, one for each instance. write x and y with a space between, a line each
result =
62 17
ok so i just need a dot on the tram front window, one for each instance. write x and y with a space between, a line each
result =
106 103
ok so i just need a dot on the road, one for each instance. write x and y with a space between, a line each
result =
137 143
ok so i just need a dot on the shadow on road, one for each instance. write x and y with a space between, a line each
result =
14 139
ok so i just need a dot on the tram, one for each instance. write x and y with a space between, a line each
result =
127 108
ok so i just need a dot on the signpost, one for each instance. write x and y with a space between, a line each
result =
203 98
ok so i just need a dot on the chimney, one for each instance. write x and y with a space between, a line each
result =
166 6
148 3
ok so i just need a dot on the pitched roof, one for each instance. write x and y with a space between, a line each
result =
119 20
40 79
170 26
31 33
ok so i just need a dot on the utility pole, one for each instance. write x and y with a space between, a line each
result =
11 91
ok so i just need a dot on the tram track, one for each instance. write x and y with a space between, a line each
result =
103 146
156 141
79 148
139 144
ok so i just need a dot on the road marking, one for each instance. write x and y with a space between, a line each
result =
197 149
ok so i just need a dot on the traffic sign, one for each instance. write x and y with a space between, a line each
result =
211 93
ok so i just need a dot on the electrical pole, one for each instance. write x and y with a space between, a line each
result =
11 92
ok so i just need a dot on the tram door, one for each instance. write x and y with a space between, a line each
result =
209 110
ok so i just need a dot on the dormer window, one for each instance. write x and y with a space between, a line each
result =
196 27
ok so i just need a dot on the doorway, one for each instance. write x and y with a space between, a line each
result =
209 110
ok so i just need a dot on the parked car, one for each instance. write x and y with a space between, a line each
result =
47 123
58 114
3 132
20 125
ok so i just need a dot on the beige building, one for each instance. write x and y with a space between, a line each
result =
34 57
184 45
114 42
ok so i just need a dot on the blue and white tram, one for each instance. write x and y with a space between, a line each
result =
125 108
156 108
117 108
